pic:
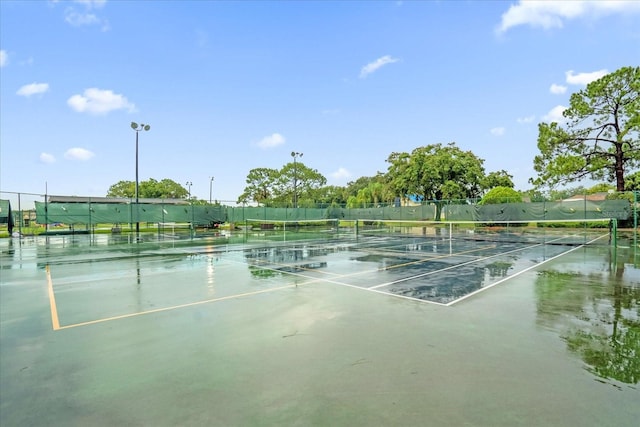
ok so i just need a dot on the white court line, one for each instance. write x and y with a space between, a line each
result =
417 276
336 282
357 273
521 272
57 326
311 280
173 307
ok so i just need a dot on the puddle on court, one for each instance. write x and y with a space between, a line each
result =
343 347
594 308
446 278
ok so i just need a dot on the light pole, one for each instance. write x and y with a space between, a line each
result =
137 128
295 154
189 184
210 188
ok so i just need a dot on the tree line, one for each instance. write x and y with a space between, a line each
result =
598 140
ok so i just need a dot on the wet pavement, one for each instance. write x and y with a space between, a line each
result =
256 330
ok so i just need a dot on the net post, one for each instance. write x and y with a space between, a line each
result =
614 232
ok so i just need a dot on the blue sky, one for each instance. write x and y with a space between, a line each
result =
232 86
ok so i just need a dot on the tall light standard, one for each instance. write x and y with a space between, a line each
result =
295 154
137 128
189 184
210 189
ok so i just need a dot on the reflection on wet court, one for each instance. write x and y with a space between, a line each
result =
354 330
436 271
88 288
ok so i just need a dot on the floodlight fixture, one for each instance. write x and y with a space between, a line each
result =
295 154
137 128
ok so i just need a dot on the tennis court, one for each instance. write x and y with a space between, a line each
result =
267 327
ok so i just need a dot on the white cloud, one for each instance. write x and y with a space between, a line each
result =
555 115
78 154
86 16
584 78
375 65
557 89
497 131
33 89
552 14
98 101
341 173
78 19
4 58
528 119
47 158
271 141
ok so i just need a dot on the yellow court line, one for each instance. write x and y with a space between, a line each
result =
52 301
158 310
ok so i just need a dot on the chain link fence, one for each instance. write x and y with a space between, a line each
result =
28 213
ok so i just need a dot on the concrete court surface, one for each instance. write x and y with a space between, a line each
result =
191 336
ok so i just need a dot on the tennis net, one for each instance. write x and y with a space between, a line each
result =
329 225
560 232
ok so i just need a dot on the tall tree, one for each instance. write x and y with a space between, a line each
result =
365 181
600 139
437 172
330 195
122 189
272 187
300 179
151 189
260 182
366 191
499 178
632 182
165 188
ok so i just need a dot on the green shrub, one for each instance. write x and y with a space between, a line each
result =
501 195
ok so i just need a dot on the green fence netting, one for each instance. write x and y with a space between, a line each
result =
240 214
564 210
112 213
202 215
5 215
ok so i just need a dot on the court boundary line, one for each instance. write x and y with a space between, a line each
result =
504 279
450 303
309 280
58 327
55 321
477 291
426 258
428 273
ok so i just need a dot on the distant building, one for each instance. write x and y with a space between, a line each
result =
117 200
595 197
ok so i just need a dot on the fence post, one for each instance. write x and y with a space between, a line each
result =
20 218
